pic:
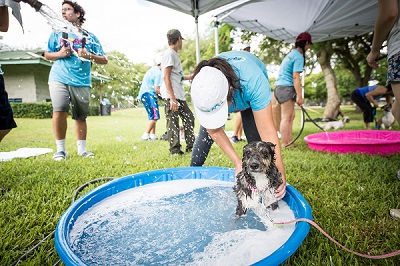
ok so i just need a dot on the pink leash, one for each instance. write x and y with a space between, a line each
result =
384 256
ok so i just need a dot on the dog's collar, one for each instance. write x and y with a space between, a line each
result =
255 190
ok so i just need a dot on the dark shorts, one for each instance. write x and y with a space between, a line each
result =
150 102
285 93
6 114
394 68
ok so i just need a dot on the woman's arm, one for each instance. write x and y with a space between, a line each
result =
297 87
379 91
266 129
4 19
387 15
219 136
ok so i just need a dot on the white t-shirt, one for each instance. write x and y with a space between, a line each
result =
394 37
171 58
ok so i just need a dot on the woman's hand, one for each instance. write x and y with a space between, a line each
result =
280 191
300 100
371 59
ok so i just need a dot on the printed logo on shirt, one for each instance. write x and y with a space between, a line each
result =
236 58
67 42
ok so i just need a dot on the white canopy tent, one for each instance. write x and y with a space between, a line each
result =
194 8
285 19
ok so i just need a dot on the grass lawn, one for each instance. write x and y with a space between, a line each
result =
350 194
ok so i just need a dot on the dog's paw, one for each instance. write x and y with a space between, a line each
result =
274 206
240 211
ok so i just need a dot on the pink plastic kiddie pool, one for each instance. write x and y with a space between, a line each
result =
382 142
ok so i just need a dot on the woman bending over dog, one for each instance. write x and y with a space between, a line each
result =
234 81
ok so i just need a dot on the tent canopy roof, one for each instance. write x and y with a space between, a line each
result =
192 7
285 19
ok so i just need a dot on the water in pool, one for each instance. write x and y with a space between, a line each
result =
190 222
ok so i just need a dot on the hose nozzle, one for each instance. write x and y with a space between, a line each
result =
34 3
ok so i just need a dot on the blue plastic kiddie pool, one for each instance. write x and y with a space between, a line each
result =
64 248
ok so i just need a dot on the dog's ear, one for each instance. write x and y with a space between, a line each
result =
270 145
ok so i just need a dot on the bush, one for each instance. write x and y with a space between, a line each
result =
32 110
42 110
94 110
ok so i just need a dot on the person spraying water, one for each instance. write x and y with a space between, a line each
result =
57 22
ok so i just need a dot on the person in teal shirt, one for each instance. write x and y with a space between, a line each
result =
70 79
288 90
235 81
148 96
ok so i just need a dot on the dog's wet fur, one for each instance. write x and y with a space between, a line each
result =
259 178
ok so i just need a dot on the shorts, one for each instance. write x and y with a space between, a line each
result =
285 93
393 74
62 95
150 102
6 113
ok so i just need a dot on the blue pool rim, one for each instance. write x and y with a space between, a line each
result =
293 198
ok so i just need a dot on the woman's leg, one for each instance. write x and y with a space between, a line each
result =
201 148
249 126
286 126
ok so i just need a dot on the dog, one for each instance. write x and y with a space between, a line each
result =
387 120
337 124
258 179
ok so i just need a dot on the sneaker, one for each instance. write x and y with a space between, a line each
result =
234 139
144 139
87 154
60 155
178 153
164 137
395 213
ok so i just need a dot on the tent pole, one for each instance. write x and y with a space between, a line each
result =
216 43
197 40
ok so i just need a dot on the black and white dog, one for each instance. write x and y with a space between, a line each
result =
258 179
387 120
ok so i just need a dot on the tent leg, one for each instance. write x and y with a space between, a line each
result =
216 43
197 41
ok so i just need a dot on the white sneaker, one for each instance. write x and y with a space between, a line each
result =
60 156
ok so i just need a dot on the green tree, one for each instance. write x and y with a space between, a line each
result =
207 47
126 79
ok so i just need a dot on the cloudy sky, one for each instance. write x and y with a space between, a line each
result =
136 28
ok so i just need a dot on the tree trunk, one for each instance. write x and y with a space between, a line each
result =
333 102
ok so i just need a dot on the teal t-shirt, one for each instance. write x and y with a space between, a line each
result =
151 79
256 91
293 62
73 70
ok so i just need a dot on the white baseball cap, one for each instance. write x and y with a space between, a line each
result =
209 93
